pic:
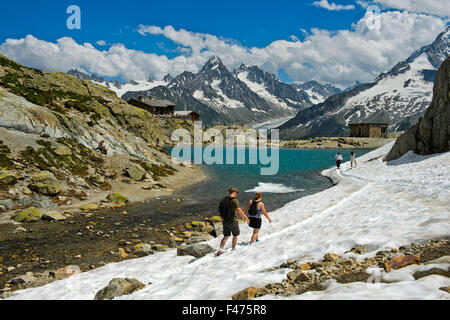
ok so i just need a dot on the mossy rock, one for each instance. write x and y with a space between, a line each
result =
29 215
118 198
90 207
63 151
7 178
45 183
215 219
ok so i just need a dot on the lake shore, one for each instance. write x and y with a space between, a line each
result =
336 143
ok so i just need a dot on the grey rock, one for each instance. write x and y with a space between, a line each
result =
433 271
197 250
119 287
199 238
441 260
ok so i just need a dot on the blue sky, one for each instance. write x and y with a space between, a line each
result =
250 22
180 35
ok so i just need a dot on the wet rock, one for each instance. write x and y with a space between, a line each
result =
53 216
197 250
246 294
400 262
45 183
28 215
119 287
433 271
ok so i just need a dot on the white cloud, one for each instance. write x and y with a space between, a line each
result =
339 57
332 6
440 8
101 43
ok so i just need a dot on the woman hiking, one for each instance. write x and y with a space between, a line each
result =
255 208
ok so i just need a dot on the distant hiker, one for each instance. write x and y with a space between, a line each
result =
228 208
353 159
339 159
102 148
255 208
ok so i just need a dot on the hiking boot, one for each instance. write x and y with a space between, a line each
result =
219 253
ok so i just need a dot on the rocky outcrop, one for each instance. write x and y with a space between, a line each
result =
432 133
119 287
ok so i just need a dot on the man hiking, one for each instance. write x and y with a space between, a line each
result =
228 208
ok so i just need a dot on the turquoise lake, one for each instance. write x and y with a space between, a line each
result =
298 176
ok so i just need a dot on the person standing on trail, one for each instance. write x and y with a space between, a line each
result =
228 208
339 159
255 209
353 159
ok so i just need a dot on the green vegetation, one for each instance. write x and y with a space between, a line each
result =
44 158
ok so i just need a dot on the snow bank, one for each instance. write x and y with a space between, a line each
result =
385 205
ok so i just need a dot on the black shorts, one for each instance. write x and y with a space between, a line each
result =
255 223
229 227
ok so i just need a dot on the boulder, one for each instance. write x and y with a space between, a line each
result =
196 250
7 178
135 171
63 151
400 262
53 216
432 133
28 215
119 287
200 238
117 198
45 183
246 294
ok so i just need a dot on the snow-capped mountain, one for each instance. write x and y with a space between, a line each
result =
271 89
317 92
247 95
398 97
122 88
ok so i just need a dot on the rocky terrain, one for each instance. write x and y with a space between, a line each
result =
308 275
53 180
431 134
397 97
